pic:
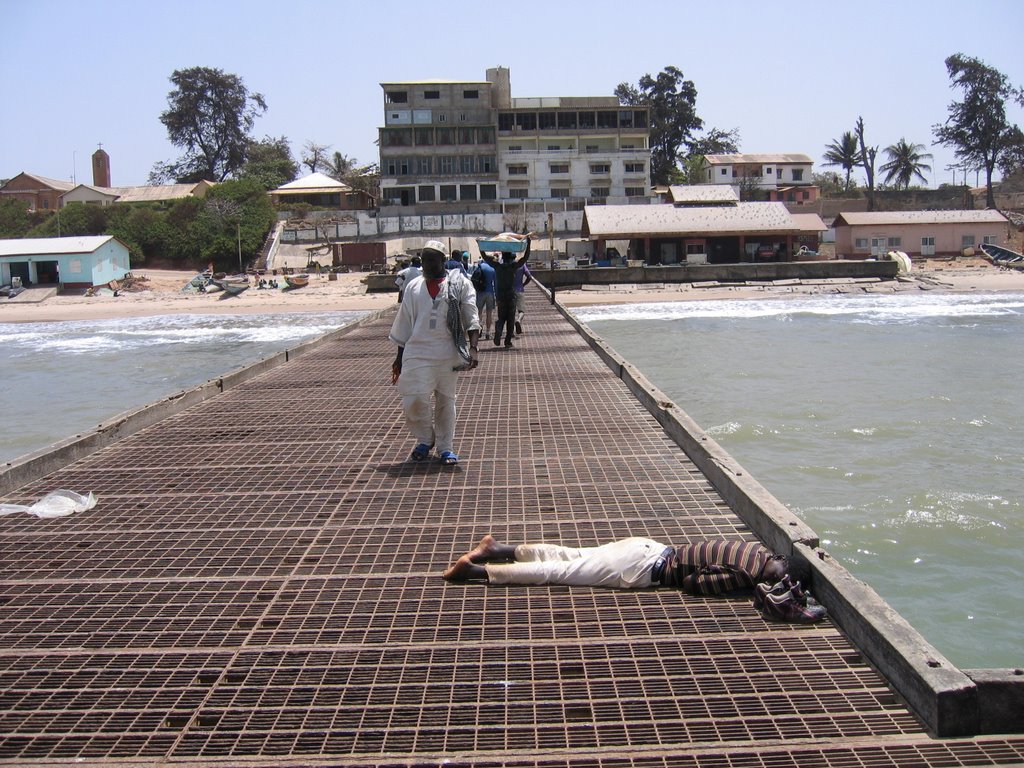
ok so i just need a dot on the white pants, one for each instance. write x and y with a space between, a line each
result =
624 564
430 422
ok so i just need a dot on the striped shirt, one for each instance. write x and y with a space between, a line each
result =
716 566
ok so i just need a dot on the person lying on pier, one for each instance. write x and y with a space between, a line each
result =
711 567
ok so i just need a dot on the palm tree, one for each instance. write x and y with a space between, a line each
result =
845 153
906 162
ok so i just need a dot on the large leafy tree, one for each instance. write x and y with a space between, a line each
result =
269 162
843 152
672 101
210 114
867 157
906 162
977 127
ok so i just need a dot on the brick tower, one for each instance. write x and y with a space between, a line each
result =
100 168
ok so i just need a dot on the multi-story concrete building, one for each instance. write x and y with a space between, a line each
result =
785 177
471 142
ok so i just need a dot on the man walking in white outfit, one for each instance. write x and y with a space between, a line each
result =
436 331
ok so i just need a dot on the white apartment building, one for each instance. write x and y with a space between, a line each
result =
471 142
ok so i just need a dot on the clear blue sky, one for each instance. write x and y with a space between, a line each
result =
790 77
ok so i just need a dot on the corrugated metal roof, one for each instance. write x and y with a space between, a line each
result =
878 218
434 81
809 222
54 183
669 220
314 182
152 193
741 158
52 245
703 193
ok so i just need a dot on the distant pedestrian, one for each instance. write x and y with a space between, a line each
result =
522 279
455 262
407 275
483 278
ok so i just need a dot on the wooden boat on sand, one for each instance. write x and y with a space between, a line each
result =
300 280
232 285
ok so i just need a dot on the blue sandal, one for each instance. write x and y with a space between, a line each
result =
421 452
449 459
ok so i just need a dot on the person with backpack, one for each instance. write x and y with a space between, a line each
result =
483 282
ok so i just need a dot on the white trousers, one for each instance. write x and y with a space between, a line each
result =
428 401
624 564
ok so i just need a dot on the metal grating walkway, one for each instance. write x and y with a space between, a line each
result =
259 586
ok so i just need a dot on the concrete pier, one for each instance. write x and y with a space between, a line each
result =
259 586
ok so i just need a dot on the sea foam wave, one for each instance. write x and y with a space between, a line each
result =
879 309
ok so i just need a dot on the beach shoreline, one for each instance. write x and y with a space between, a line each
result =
161 294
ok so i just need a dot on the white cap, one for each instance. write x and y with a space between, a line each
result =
436 245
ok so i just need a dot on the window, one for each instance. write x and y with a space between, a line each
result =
465 135
636 192
798 174
591 148
431 95
634 167
926 241
967 241
778 174
587 120
467 191
861 243
515 148
484 135
725 171
639 118
424 137
768 171
471 94
398 137
566 119
442 117
425 194
467 164
989 240
445 136
600 191
424 166
517 169
462 117
526 121
895 242
553 148
488 192
397 97
519 193
445 166
600 169
558 167
506 121
485 163
625 118
448 193
547 120
559 192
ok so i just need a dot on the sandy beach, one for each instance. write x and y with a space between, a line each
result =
158 292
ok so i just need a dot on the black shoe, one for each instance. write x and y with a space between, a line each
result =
497 340
508 342
519 327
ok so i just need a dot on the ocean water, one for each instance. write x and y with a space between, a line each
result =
893 425
60 379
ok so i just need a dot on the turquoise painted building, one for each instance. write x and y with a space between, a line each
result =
70 262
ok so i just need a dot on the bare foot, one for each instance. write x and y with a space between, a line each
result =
460 570
488 546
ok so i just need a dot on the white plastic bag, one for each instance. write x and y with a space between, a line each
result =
58 503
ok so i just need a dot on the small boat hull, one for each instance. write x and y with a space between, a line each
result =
297 281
